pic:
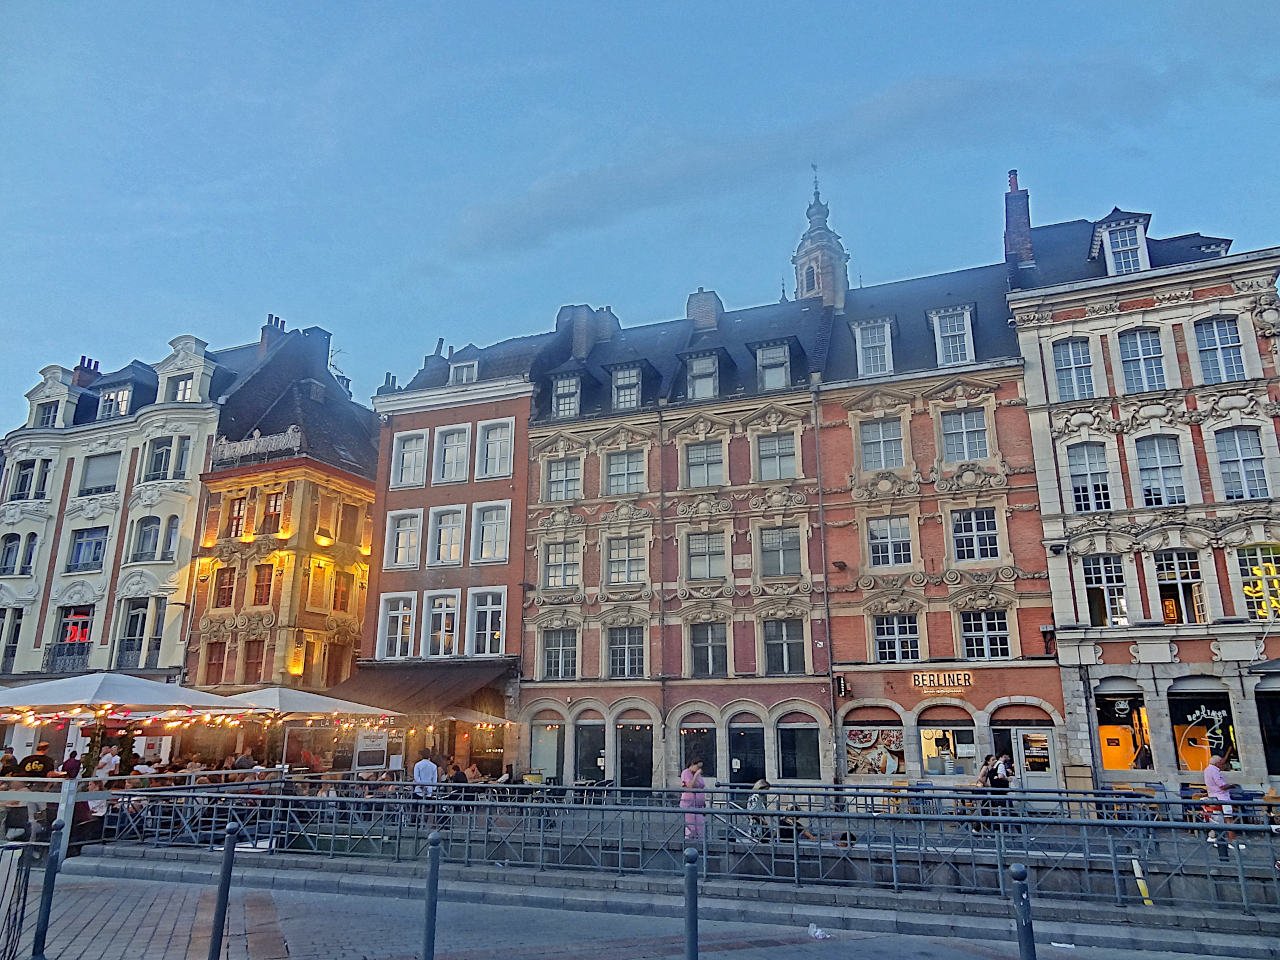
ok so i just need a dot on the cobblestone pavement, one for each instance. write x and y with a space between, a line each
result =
111 919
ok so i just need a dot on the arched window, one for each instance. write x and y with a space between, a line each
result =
1090 484
146 539
169 545
9 549
28 555
810 278
1071 364
1142 360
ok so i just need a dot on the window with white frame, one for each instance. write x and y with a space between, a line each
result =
889 541
624 472
703 375
773 366
974 534
776 456
100 475
47 415
566 400
488 611
783 647
1260 577
875 349
626 652
452 454
397 626
626 560
709 650
1090 480
169 545
10 548
705 555
1104 590
559 654
897 637
146 539
563 565
489 525
1142 359
626 388
780 552
1160 471
985 634
881 442
460 373
403 529
493 450
704 464
1124 249
178 389
1244 474
1221 355
953 337
1181 586
564 479
446 528
964 435
409 459
440 613
1072 367
113 403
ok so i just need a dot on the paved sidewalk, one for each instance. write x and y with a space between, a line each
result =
114 919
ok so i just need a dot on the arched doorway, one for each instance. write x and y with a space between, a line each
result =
634 731
588 746
1026 733
698 741
746 749
546 746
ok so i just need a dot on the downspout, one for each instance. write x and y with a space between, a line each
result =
836 766
662 577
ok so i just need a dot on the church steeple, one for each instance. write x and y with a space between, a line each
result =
820 259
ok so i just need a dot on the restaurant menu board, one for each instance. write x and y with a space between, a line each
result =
874 750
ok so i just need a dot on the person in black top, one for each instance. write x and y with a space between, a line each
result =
39 764
8 763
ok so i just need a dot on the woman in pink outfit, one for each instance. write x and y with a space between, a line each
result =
692 798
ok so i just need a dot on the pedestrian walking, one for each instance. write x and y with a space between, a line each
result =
692 798
758 825
983 783
1215 784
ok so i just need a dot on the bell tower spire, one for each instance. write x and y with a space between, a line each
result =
820 260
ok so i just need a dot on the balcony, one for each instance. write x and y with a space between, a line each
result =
84 566
135 653
67 657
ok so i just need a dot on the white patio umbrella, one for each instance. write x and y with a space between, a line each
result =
120 691
302 704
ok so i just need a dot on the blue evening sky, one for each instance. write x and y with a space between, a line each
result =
398 171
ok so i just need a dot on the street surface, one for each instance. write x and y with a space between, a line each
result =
113 919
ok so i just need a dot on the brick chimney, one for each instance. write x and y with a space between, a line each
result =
1017 225
272 331
85 372
704 309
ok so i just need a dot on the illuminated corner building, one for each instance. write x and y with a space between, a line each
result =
1150 375
282 563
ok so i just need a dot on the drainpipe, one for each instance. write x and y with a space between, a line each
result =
837 768
662 604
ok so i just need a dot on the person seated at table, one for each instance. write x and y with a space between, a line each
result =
789 827
508 775
759 800
473 773
456 775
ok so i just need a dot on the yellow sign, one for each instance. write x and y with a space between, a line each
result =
1265 590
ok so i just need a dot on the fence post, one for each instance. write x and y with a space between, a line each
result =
46 891
224 891
433 895
690 903
66 809
1022 912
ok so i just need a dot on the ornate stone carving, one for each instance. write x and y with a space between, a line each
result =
777 498
560 517
255 626
1174 296
573 595
139 583
1096 418
92 507
625 512
700 425
624 617
1101 309
892 603
17 510
707 614
559 445
703 507
1250 284
780 589
785 611
622 435
256 445
613 594
1033 318
885 485
345 630
149 494
79 592
974 476
962 388
772 416
877 401
1216 406
231 550
705 591
980 597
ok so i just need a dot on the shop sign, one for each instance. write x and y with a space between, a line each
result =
941 683
1264 590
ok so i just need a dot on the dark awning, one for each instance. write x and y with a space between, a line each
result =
423 687
1266 666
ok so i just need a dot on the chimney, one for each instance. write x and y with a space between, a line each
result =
85 373
450 356
388 384
606 324
704 309
439 347
272 331
1017 225
344 382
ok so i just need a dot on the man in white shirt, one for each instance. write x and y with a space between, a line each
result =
108 763
425 775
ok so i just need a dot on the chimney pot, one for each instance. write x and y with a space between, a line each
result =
705 309
1013 181
439 346
450 356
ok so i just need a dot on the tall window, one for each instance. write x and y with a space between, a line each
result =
1244 475
624 472
560 654
1221 359
985 634
881 444
705 464
565 402
272 510
1142 359
169 545
397 627
897 638
491 534
706 556
42 479
10 550
564 479
776 456
133 634
626 559
486 622
47 415
889 541
493 451
1072 367
783 647
88 548
1260 575
626 388
951 333
237 509
402 539
1124 249
446 535
166 458
964 435
974 534
318 594
703 377
1090 483
780 552
709 650
1181 586
442 625
773 367
100 474
626 651
409 460
1104 590
146 539
1160 471
24 474
875 349
178 389
263 576
113 403
451 454
28 555
563 566
224 587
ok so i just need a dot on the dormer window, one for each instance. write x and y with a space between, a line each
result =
773 365
566 401
952 335
460 373
113 403
703 378
1123 245
47 415
179 389
626 388
875 348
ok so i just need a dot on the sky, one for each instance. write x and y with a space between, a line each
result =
400 171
